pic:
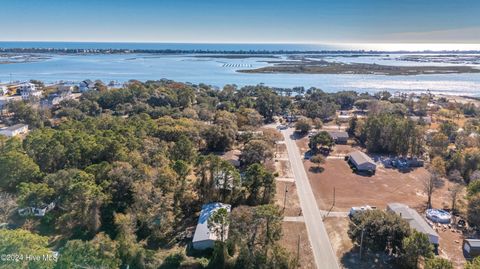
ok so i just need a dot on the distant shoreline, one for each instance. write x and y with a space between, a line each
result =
209 51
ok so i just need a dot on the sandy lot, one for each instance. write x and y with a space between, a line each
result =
292 205
293 232
386 186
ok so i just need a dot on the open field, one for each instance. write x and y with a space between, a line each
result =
386 186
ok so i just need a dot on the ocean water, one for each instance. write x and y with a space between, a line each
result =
218 71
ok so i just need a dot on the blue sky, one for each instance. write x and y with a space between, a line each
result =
247 21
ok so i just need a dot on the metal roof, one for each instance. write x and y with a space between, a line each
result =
474 243
360 158
14 127
202 232
416 221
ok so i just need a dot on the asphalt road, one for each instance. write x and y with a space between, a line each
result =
322 249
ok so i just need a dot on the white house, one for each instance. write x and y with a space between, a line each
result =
14 130
204 237
29 90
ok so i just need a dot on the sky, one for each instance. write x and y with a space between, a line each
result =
245 21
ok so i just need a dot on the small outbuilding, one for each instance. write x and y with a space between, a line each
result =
340 137
471 247
361 162
17 129
205 238
415 221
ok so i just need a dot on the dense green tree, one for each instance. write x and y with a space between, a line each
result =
415 246
321 140
474 264
15 168
260 185
22 242
101 252
473 210
34 194
438 263
256 151
381 230
183 150
303 125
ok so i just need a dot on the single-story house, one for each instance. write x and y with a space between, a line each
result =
14 130
86 85
340 137
415 221
362 162
471 247
205 238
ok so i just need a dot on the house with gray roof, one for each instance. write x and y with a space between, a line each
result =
204 237
361 162
14 130
415 221
340 137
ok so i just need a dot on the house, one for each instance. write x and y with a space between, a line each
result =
54 99
204 237
36 211
86 85
427 119
3 90
471 247
17 129
415 221
340 137
29 90
362 162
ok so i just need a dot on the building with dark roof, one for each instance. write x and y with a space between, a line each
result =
340 137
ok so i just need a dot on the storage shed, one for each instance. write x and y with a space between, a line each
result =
471 247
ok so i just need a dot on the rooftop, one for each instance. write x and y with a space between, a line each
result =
14 127
202 232
360 157
416 221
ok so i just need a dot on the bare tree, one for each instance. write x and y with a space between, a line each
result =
8 205
430 185
454 192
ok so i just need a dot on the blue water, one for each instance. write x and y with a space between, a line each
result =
167 46
219 71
